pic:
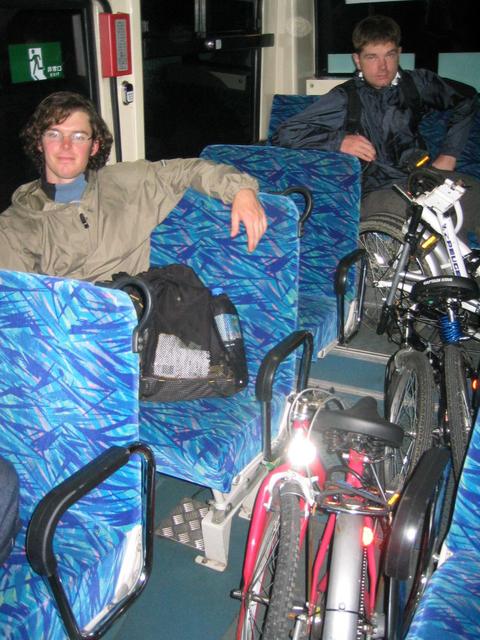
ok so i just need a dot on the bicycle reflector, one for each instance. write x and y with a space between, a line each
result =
367 536
422 161
428 244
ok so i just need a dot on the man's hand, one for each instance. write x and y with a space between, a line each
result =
445 163
247 209
359 146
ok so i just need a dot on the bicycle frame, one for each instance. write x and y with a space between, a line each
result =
435 205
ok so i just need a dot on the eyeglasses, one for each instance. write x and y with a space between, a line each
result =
77 137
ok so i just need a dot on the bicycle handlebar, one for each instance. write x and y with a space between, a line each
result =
439 199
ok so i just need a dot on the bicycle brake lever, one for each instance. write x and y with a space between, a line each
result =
406 196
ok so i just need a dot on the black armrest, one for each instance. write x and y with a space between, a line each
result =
266 376
45 518
341 275
124 282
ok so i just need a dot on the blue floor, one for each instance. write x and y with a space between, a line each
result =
183 599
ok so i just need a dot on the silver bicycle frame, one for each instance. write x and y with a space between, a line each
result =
343 596
435 207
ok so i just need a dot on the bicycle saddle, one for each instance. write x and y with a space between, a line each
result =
362 418
439 289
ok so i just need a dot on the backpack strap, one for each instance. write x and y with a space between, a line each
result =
411 96
354 107
409 92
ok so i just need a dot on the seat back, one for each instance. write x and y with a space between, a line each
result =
330 233
285 106
433 129
69 390
463 533
209 441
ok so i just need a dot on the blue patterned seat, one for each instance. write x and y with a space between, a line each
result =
68 388
222 435
330 233
432 128
450 606
211 441
285 106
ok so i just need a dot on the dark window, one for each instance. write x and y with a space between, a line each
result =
429 27
195 91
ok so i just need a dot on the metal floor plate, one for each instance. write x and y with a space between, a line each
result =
184 524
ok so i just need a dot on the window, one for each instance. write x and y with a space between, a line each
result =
429 27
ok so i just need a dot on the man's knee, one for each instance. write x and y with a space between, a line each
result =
383 201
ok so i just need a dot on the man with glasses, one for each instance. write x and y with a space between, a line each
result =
83 219
376 118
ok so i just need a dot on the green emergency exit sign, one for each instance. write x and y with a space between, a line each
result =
35 62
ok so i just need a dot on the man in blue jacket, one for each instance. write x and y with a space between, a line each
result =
376 117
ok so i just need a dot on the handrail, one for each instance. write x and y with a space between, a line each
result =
45 518
266 375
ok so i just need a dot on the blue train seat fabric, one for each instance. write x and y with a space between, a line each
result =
69 391
209 441
285 106
330 233
432 128
450 606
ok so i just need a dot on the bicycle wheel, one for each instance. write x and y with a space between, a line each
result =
410 403
267 609
457 370
382 237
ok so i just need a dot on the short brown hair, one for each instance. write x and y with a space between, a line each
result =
55 109
375 29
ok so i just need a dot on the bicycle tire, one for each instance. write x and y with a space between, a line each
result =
410 403
382 237
269 598
459 406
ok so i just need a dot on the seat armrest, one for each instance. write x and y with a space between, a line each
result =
266 376
341 277
45 518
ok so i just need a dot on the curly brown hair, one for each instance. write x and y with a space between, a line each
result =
55 109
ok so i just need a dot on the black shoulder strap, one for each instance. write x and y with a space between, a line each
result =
411 96
354 106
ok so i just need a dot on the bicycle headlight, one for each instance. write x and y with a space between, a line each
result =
301 451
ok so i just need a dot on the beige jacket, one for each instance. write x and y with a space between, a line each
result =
108 231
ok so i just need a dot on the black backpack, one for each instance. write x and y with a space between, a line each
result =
189 339
9 502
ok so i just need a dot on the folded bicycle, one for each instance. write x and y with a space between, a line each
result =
403 251
432 318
